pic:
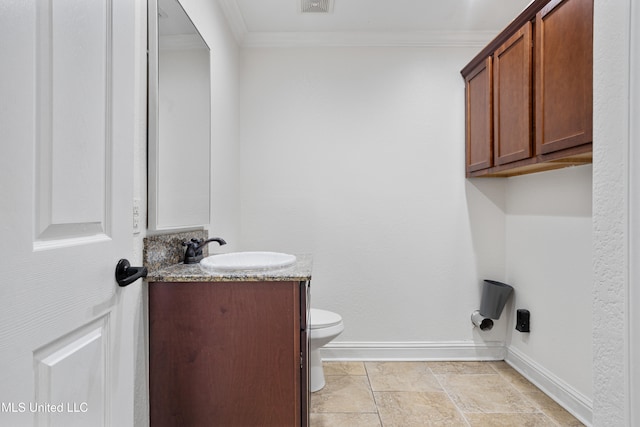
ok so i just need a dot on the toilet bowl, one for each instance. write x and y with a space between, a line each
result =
324 327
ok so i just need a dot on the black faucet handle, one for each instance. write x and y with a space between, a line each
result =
190 252
192 244
193 253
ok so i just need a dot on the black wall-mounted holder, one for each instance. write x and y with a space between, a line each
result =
494 297
522 320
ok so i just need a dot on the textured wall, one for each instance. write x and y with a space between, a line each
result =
610 208
634 214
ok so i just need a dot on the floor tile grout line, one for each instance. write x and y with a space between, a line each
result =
539 410
375 401
464 417
409 391
538 407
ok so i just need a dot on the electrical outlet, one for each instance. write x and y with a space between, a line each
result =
136 216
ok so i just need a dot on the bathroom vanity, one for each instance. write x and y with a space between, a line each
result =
229 349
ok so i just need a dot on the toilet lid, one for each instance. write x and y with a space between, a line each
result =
323 318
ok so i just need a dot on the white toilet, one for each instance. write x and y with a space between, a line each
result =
325 326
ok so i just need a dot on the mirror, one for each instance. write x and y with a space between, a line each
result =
179 120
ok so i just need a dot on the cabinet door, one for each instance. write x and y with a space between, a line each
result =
479 138
512 103
225 354
564 75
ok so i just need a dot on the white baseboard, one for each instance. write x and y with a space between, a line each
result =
447 350
566 396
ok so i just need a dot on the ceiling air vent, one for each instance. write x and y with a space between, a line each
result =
316 6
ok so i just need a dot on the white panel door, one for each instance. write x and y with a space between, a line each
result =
67 102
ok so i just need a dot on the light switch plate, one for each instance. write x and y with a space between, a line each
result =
136 216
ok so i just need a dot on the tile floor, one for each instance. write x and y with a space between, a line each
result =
386 394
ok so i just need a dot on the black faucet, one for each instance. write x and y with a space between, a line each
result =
193 254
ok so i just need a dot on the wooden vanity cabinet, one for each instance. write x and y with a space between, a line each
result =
228 354
541 90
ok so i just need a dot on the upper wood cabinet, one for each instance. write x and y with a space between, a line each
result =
564 75
512 104
479 126
536 77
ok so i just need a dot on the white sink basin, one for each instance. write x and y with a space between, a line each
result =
248 261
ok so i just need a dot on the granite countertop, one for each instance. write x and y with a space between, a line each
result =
299 271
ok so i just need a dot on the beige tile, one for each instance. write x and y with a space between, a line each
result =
401 376
344 394
461 368
552 409
509 420
499 364
345 420
517 380
484 393
343 368
488 394
423 409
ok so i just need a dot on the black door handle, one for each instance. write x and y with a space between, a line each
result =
126 275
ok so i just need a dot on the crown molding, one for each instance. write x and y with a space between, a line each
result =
234 17
348 39
245 38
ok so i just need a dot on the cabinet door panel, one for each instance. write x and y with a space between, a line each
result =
224 354
479 150
512 98
564 75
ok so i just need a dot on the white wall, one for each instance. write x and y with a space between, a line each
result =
549 263
356 155
225 161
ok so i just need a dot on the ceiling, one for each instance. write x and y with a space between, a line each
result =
255 20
